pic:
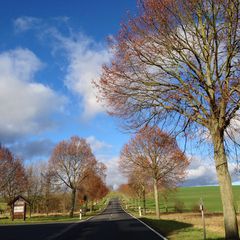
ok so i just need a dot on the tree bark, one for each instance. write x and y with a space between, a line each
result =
30 211
73 202
91 208
229 212
156 198
144 200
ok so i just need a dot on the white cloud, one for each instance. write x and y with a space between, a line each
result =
25 106
96 144
201 172
26 23
114 176
86 58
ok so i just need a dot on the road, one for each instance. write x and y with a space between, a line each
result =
112 224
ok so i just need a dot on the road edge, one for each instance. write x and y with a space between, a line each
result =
146 225
55 236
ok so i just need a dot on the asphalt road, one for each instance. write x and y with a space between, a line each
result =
112 224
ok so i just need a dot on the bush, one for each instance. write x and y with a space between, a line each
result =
179 206
195 207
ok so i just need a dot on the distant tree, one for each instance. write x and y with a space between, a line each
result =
126 189
12 175
178 62
39 186
158 156
70 163
48 187
94 187
138 180
33 186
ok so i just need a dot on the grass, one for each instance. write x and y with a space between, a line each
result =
210 195
174 230
187 225
190 197
51 218
41 219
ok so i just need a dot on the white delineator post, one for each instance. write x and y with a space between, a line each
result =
80 214
140 211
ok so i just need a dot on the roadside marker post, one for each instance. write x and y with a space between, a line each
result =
203 220
80 214
140 211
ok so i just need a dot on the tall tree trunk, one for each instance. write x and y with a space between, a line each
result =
91 208
73 202
30 210
156 198
229 212
144 200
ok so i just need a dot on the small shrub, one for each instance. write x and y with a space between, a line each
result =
179 206
195 208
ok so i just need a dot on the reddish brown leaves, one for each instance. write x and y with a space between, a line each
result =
12 175
155 154
71 161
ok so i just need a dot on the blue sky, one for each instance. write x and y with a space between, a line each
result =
50 51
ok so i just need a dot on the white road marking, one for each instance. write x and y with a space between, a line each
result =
160 235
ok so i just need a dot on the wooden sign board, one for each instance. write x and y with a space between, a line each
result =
19 208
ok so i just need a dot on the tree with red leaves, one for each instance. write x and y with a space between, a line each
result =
157 155
178 62
70 163
138 180
13 178
93 187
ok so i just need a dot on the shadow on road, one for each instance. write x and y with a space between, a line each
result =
166 226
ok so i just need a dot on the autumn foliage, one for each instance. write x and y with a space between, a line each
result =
13 179
156 155
176 63
74 165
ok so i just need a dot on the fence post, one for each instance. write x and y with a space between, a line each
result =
203 219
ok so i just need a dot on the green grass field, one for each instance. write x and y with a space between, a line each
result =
186 225
5 218
189 198
175 230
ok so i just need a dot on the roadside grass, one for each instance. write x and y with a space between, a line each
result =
40 219
53 218
189 198
185 226
187 223
175 230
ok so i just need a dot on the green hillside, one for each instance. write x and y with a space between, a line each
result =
188 198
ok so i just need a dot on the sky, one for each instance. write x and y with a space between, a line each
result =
50 52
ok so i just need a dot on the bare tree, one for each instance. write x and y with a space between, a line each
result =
140 183
70 163
156 154
178 62
35 187
138 180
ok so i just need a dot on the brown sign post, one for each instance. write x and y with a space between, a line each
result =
19 207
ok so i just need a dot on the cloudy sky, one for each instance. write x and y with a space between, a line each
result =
50 51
